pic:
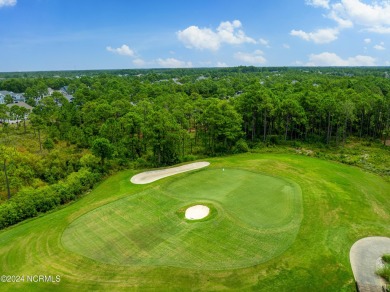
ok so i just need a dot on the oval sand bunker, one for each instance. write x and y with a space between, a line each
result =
197 212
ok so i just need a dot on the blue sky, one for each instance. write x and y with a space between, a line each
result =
99 34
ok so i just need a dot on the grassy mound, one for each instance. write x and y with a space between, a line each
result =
257 218
341 204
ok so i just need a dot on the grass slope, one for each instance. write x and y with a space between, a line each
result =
256 217
340 205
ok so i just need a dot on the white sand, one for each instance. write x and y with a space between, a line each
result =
151 176
197 212
364 255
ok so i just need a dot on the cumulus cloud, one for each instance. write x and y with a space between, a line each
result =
264 42
320 36
230 32
254 58
7 3
374 17
367 41
337 14
124 50
376 14
139 62
205 38
199 38
173 63
222 64
318 3
331 59
380 47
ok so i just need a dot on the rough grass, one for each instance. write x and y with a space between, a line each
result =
385 271
386 258
257 217
341 204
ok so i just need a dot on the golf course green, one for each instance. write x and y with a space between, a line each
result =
277 222
256 217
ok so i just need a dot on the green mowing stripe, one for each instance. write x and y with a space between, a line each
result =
258 200
341 205
253 223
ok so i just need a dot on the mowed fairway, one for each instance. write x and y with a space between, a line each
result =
130 237
254 218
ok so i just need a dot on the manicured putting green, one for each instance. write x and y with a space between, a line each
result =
253 218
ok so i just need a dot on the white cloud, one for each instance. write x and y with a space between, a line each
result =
228 34
374 17
286 46
264 42
318 3
379 29
337 14
205 38
367 41
124 50
7 3
222 64
380 47
139 62
320 36
195 37
254 58
331 59
173 63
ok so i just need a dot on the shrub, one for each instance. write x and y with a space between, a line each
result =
241 146
273 140
30 202
189 157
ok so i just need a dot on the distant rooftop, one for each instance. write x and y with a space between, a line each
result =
21 104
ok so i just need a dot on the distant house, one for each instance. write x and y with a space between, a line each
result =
3 93
67 95
17 97
20 104
176 80
64 92
201 78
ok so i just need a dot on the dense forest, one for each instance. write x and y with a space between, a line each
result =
151 118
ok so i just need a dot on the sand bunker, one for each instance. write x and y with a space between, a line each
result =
197 212
151 176
364 255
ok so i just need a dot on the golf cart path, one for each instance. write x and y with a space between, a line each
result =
153 175
365 256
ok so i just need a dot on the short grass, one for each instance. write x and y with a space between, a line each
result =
341 204
256 218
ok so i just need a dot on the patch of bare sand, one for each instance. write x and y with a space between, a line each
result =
197 212
364 255
151 176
